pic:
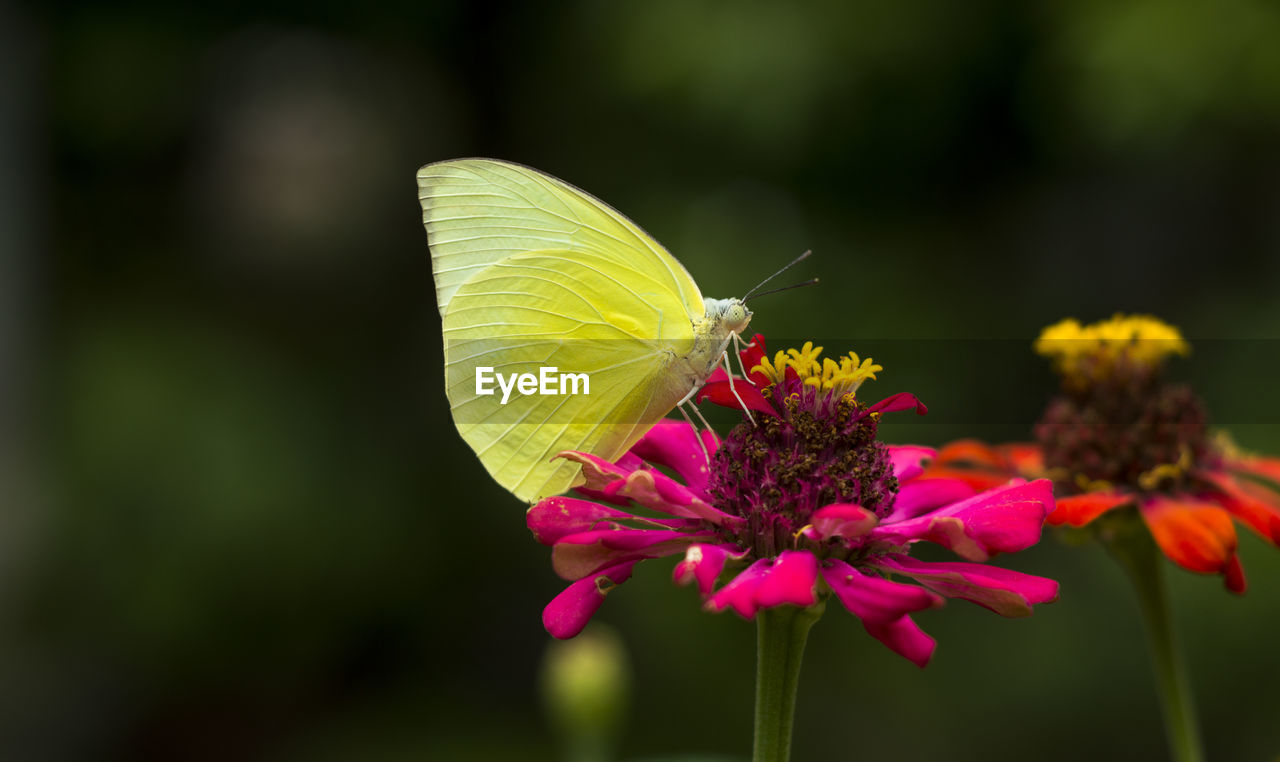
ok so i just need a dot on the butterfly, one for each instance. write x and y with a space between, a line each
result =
535 280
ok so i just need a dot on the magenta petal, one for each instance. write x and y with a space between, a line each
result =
908 460
626 464
899 401
874 598
704 563
840 520
569 612
579 555
556 517
675 444
1004 519
740 593
1004 591
883 607
656 490
924 495
598 472
791 580
905 638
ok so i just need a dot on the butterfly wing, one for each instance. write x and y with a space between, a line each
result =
480 211
622 324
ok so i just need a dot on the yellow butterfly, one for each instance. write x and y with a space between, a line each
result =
538 281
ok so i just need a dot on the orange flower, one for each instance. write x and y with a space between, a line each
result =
1119 436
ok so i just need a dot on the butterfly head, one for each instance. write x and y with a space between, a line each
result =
728 315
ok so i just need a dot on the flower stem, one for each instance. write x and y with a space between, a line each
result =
782 632
1137 553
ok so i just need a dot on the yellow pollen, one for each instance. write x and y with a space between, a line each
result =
823 373
1086 353
1151 479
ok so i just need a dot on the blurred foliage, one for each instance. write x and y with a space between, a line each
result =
246 528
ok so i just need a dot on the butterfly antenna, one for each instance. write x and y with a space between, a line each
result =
790 265
812 282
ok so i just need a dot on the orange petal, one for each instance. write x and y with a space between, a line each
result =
979 479
970 452
1250 502
1257 465
1027 459
1195 535
1079 510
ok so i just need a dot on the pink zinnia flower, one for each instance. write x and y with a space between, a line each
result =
801 504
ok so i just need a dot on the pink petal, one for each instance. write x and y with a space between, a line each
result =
870 597
656 490
675 444
899 401
1004 591
840 520
908 460
704 563
905 638
740 593
924 495
652 489
1005 519
791 580
556 517
598 472
579 555
883 606
569 612
626 464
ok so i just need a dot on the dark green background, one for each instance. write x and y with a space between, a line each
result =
238 522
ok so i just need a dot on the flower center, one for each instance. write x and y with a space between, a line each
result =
820 449
836 379
1116 422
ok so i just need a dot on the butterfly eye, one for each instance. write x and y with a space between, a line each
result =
736 316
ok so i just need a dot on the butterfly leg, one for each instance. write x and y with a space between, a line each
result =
738 346
696 433
734 389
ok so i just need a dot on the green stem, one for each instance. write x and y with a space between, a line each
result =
1138 554
782 633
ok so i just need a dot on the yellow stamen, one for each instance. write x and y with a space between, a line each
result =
1150 479
1092 485
823 373
1085 353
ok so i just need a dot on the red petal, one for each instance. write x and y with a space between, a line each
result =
899 401
1234 579
721 393
1079 510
